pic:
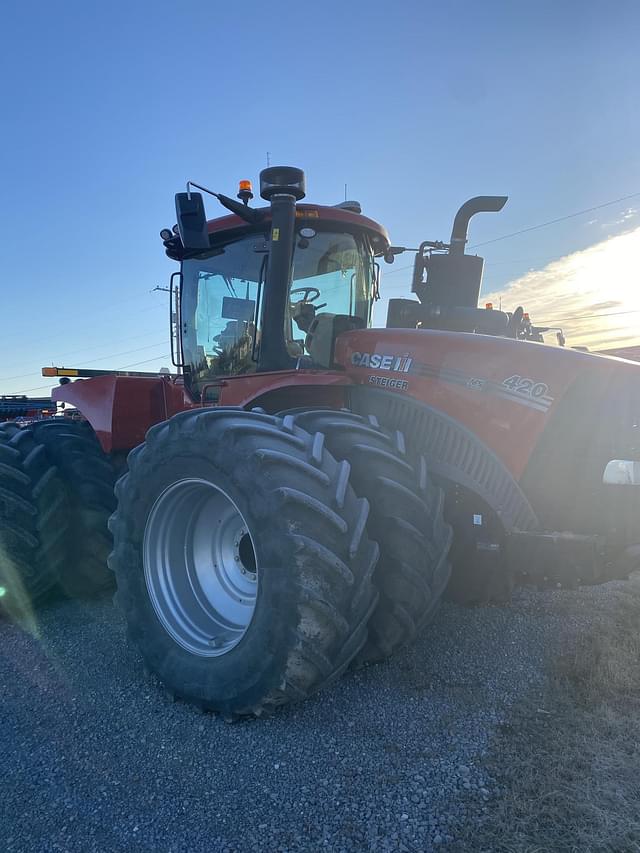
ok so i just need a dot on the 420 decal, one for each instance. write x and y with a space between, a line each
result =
527 387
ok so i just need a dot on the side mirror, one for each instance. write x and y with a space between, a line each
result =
192 221
621 472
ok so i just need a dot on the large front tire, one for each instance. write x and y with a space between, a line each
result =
406 521
243 566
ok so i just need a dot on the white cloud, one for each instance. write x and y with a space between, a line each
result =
593 294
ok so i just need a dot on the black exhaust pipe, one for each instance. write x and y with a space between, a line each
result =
478 204
452 279
282 187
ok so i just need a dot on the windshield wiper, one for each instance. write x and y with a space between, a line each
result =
261 279
230 286
249 214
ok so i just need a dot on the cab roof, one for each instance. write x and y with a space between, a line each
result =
308 214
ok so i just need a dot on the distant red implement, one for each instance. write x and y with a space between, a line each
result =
21 407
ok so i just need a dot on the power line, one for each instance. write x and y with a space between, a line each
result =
514 263
387 273
147 361
95 360
126 352
92 312
520 261
74 352
559 219
592 316
115 369
110 343
535 227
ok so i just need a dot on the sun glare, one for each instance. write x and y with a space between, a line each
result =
594 294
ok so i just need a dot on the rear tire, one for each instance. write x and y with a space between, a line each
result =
88 479
33 524
406 521
249 651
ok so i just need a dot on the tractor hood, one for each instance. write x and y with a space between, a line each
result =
554 417
506 391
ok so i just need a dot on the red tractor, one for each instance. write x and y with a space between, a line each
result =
300 496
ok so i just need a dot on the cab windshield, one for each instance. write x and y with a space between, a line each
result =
223 298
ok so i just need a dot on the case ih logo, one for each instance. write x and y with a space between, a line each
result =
399 363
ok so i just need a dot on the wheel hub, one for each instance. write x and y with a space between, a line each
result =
200 567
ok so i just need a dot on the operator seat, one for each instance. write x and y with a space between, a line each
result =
322 334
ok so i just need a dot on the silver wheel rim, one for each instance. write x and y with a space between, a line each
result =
200 567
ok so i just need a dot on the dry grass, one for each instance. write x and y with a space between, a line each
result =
568 762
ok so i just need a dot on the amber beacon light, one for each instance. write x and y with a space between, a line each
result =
245 191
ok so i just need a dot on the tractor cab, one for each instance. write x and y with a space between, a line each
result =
269 288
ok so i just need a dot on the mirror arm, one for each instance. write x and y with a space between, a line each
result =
242 210
199 187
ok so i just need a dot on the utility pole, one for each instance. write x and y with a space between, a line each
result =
174 314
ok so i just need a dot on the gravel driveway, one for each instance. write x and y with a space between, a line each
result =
95 757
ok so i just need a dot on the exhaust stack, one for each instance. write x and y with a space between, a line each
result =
447 281
478 204
443 275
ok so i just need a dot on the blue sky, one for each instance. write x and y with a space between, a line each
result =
109 108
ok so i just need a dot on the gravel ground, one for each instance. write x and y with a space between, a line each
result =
95 757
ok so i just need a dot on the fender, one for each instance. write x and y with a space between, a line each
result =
122 408
453 451
285 389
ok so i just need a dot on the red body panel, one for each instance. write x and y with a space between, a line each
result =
301 387
463 375
629 353
122 408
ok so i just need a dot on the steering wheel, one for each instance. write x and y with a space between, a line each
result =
306 291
